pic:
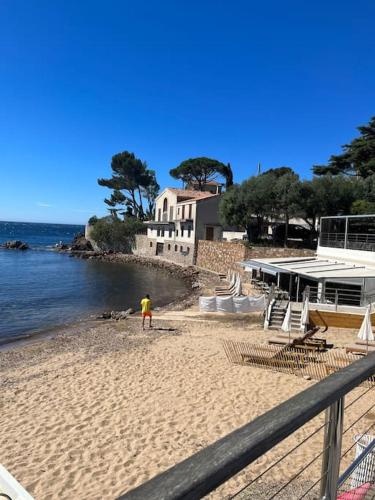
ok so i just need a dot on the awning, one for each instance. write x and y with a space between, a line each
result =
313 268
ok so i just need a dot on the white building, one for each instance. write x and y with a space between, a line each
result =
182 217
343 271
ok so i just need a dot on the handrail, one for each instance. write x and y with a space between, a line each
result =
356 462
209 468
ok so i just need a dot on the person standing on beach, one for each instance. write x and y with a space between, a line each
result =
146 310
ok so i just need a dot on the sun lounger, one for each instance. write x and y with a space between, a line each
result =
313 343
363 342
231 284
359 349
235 290
337 361
296 339
263 356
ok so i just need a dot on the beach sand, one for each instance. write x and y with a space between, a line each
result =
94 414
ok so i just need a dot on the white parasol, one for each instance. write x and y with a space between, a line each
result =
287 323
305 314
365 332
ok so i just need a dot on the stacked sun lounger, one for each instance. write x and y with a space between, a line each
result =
234 287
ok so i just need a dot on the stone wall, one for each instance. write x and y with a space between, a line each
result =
172 251
181 253
220 256
144 246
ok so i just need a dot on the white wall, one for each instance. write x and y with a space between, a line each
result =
345 254
208 215
234 235
172 201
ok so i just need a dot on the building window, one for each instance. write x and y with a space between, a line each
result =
159 214
182 232
190 211
178 211
187 249
183 211
162 233
165 205
158 232
175 248
150 244
176 232
181 249
170 213
170 233
169 247
189 232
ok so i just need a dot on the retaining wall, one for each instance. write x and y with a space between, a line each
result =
220 256
181 253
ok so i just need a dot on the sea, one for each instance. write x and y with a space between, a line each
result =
41 288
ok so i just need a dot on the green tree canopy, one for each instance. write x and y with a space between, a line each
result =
113 234
131 183
328 195
358 157
248 204
202 170
286 193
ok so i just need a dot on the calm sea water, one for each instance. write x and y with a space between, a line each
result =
41 288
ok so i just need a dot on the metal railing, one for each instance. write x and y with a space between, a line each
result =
336 240
337 296
351 241
360 472
205 471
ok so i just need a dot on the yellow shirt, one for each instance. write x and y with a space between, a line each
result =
146 305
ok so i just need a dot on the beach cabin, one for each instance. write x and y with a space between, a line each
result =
341 273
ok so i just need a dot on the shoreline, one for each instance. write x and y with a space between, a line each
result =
189 275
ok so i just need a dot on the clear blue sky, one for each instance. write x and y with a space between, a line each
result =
280 82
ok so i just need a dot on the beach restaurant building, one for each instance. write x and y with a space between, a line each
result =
342 272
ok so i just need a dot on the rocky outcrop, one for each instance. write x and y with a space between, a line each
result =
81 244
15 245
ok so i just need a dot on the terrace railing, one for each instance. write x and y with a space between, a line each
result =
336 240
337 296
214 465
351 241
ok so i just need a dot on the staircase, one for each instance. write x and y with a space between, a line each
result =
278 312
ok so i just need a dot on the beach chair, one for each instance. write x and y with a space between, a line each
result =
360 348
235 290
230 286
300 340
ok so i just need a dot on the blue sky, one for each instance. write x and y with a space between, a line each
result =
283 83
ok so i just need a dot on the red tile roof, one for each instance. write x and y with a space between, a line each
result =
187 194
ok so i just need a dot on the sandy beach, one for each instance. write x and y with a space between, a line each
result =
92 414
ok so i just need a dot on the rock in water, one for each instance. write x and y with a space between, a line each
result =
15 245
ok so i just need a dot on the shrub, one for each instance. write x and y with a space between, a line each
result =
116 235
93 220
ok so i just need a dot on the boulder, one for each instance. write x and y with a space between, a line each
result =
121 314
117 315
80 244
15 245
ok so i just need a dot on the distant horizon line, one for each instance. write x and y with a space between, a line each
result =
28 222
